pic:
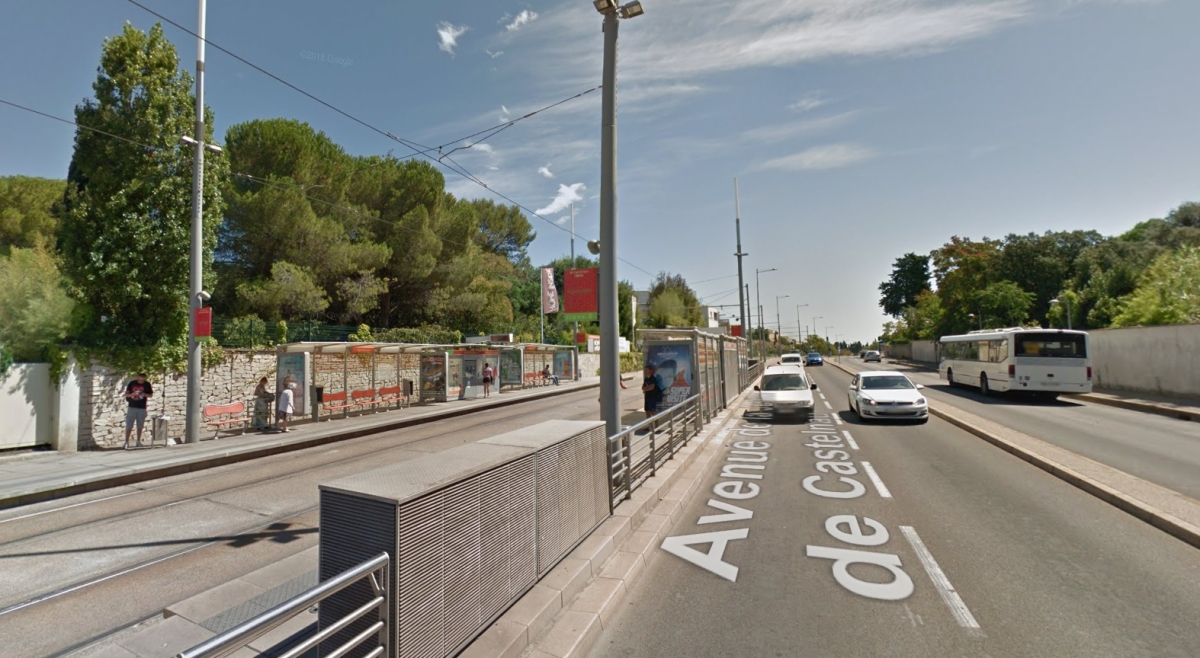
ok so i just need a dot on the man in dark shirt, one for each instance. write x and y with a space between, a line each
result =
651 390
137 392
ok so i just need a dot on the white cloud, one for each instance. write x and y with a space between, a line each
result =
545 171
504 109
522 18
803 127
493 55
567 194
486 148
448 35
810 101
832 156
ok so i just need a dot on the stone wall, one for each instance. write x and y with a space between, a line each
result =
1160 360
102 403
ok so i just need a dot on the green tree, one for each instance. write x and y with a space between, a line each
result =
689 309
922 319
1004 303
1043 264
125 231
910 277
962 267
1167 293
35 309
667 310
290 293
28 211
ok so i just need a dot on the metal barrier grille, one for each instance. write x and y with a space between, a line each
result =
353 530
419 566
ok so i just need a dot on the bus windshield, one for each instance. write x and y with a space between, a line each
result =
789 382
1051 345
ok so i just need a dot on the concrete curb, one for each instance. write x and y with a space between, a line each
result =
1161 519
1138 405
134 474
564 614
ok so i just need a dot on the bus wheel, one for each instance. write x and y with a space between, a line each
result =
983 386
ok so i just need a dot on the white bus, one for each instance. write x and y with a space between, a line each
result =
1042 361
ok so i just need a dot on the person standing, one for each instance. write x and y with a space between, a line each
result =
488 373
286 405
651 390
262 405
137 392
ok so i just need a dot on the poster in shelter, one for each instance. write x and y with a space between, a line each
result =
674 370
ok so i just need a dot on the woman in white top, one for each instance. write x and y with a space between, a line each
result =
286 405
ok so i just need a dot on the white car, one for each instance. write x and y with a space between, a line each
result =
887 394
786 391
793 359
872 356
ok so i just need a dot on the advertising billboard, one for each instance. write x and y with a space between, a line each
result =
512 369
580 294
293 367
563 364
549 291
674 368
433 377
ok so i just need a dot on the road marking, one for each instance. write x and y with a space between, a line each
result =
827 405
837 418
850 440
879 485
953 601
66 507
822 395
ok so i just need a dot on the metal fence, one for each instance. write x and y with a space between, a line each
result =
636 453
374 570
756 371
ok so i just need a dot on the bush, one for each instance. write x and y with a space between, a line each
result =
428 334
35 309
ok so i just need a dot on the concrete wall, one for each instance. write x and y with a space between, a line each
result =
902 351
26 406
923 351
1162 360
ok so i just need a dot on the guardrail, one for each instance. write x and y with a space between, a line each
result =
755 372
375 570
636 453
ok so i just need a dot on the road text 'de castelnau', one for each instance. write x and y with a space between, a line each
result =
744 464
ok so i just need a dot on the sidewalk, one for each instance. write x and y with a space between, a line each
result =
1172 407
39 476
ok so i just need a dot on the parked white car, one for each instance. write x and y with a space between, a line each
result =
887 394
786 392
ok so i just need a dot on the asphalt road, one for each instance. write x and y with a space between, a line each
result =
969 552
184 535
1162 450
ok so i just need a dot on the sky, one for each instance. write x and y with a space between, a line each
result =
858 130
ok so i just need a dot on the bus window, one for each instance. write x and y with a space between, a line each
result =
1051 345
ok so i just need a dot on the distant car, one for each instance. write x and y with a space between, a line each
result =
872 356
862 355
786 392
793 359
814 359
887 394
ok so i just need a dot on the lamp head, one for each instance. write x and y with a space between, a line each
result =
632 10
605 6
594 247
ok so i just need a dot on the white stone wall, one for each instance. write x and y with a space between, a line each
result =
1162 360
26 406
102 403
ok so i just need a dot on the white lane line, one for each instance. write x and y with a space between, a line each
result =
67 507
822 395
850 440
953 601
879 485
837 418
827 405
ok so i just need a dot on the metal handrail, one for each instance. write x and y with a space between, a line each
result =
631 460
246 632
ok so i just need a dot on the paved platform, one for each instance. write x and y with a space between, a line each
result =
37 476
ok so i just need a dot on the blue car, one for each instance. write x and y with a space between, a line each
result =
814 359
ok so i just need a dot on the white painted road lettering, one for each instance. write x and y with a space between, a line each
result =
742 463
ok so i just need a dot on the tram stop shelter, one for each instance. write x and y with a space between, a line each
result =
695 362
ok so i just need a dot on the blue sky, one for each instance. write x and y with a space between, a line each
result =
858 129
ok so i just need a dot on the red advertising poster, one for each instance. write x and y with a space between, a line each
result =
203 322
735 329
580 294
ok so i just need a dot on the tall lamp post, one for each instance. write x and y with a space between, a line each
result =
610 361
827 328
778 323
762 352
196 294
799 327
1056 302
814 326
737 218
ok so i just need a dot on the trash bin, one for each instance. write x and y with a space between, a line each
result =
158 429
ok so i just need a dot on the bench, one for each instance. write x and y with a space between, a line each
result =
220 415
365 398
390 394
333 401
537 379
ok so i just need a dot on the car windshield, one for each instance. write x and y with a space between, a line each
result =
885 382
790 358
814 354
785 382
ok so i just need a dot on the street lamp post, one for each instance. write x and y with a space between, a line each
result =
799 335
610 361
814 324
737 218
827 328
762 352
1056 302
778 324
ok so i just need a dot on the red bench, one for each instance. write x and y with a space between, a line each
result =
390 394
333 401
220 415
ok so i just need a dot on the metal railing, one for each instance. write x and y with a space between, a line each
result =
375 570
755 372
637 453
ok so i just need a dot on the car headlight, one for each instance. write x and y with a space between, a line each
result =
868 401
921 401
806 403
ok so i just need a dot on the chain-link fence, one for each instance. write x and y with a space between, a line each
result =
252 332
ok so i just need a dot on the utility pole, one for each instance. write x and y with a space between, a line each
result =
758 296
575 324
196 255
778 323
737 218
610 360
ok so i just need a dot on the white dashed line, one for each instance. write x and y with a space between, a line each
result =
953 601
879 486
850 440
827 405
837 418
822 395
